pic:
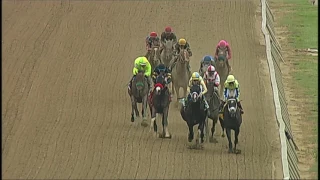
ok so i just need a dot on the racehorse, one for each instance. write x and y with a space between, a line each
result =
167 53
181 74
232 120
159 102
139 94
154 57
214 104
194 113
222 68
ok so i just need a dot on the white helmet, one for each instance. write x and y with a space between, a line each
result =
211 69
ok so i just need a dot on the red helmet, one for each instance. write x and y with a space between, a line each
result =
222 43
168 29
153 34
211 68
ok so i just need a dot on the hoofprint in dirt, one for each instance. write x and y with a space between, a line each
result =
166 55
232 120
180 75
159 103
222 69
213 99
195 114
138 93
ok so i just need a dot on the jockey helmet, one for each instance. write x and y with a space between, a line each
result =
207 58
161 67
153 34
222 43
182 42
211 68
168 29
195 76
143 61
230 79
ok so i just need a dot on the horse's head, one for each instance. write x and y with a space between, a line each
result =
232 106
139 80
210 86
194 93
232 102
183 56
160 84
155 53
222 56
168 44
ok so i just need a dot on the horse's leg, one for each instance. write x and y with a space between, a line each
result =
153 118
228 130
172 88
134 108
144 107
190 136
213 128
222 127
165 122
201 125
177 94
236 134
144 112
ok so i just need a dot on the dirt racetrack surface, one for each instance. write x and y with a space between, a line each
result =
66 112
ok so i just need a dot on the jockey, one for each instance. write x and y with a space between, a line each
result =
197 79
224 45
167 35
206 60
231 84
162 68
152 39
212 75
141 63
182 44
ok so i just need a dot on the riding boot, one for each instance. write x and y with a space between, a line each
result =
240 106
206 106
189 69
221 108
205 102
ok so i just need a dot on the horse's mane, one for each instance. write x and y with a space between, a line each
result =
140 75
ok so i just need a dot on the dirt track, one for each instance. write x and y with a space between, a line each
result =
66 112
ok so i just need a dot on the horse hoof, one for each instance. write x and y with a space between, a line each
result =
230 151
213 140
237 151
144 124
132 119
168 136
161 135
200 146
223 135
